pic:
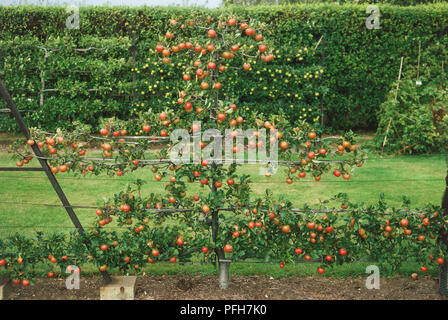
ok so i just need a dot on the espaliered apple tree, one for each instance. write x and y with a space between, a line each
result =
219 48
219 220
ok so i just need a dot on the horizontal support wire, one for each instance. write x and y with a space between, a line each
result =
179 210
121 46
27 46
229 260
57 90
21 169
120 179
432 157
270 261
104 138
48 226
159 137
49 205
145 162
295 261
9 111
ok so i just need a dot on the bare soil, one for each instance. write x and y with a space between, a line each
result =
171 287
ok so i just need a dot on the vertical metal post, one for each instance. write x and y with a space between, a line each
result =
23 127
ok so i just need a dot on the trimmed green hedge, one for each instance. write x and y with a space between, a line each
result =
359 64
285 2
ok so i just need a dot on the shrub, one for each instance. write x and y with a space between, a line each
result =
417 122
359 64
283 2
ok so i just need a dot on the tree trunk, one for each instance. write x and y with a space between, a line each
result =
224 274
224 266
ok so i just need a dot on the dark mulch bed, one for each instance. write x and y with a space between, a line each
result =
241 288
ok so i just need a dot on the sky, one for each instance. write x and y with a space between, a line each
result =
202 3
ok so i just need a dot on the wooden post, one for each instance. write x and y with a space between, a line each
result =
443 237
396 97
418 60
42 80
323 63
133 66
399 77
443 70
44 164
318 42
5 95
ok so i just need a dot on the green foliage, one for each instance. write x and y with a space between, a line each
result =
358 64
361 231
418 118
284 2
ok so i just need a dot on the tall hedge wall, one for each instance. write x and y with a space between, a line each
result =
116 73
284 2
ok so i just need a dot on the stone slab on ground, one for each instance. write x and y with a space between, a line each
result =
5 288
121 288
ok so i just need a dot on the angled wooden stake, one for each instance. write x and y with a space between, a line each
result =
418 59
11 105
23 127
396 97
